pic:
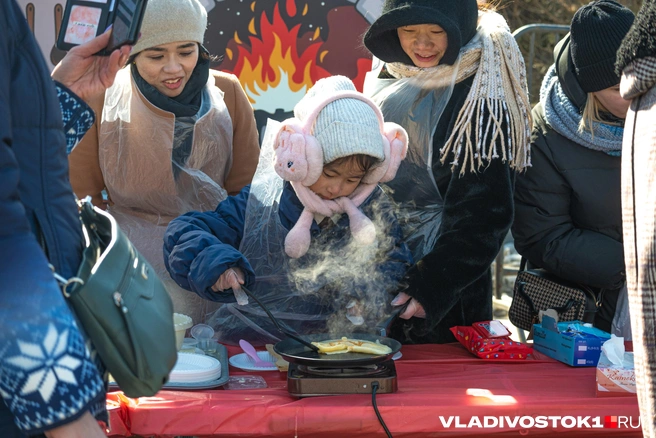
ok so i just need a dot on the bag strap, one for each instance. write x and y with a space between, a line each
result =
65 284
522 264
527 299
567 306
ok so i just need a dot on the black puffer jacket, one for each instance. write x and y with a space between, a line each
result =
568 217
453 282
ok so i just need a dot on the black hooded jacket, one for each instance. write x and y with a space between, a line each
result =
454 281
568 214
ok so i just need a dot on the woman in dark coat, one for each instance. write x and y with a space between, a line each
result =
468 132
568 217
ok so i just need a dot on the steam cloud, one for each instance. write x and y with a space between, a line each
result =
349 277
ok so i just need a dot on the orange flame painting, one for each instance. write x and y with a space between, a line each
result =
274 63
279 48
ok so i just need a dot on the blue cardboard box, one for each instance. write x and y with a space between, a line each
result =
570 342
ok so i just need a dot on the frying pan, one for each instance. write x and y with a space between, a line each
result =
293 352
297 349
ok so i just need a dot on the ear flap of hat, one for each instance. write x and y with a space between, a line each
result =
298 156
375 174
297 241
362 229
395 144
398 140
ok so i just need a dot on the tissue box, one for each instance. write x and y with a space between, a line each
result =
570 342
615 380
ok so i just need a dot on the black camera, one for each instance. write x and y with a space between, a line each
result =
86 19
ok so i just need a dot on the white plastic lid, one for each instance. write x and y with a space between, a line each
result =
202 332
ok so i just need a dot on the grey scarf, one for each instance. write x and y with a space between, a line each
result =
565 118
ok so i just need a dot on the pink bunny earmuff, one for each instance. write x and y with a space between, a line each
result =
299 159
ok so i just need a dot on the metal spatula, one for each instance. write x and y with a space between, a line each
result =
279 324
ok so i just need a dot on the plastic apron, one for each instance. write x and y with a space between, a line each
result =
136 142
263 246
417 104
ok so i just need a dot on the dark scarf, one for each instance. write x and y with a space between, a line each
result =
184 106
186 103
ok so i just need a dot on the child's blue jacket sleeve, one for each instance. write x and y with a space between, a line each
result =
200 246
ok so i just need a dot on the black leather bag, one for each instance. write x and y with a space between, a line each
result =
537 289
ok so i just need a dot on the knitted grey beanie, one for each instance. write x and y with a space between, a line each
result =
344 127
168 21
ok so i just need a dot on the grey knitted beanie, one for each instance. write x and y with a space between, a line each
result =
168 21
344 127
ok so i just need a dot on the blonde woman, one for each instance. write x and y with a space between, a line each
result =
567 205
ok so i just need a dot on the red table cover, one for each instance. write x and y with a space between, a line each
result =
433 381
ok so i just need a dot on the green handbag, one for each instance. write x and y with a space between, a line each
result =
122 306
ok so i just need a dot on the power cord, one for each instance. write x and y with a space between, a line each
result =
374 388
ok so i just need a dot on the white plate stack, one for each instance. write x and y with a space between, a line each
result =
194 368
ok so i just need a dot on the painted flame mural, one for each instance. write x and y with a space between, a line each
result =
279 48
274 62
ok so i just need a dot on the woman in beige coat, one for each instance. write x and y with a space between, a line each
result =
171 136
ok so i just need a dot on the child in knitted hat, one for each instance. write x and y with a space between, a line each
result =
313 217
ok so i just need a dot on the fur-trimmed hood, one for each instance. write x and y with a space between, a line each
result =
640 42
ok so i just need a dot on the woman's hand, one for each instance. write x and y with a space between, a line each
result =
86 74
414 308
232 278
84 427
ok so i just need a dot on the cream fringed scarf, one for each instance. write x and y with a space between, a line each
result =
499 88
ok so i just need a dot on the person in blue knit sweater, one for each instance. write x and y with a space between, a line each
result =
313 236
50 381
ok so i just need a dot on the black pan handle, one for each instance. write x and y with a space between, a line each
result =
384 325
284 328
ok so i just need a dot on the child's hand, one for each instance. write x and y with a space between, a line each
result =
414 308
232 278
